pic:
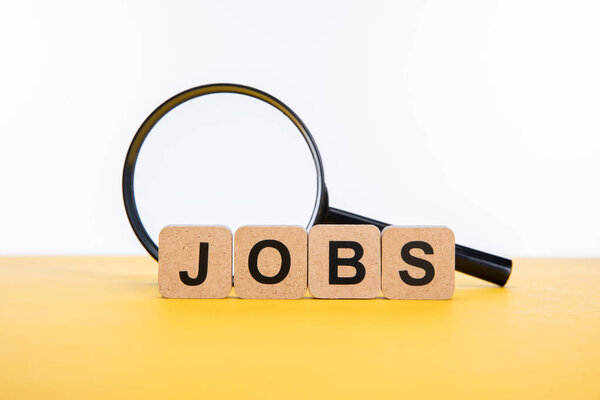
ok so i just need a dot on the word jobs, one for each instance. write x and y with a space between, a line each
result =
282 262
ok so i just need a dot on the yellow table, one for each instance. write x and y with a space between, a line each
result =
95 327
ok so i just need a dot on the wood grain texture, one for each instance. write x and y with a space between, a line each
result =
402 280
269 262
179 252
319 247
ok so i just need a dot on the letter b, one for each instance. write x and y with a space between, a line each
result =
335 261
344 261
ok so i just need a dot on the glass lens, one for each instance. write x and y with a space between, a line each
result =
224 159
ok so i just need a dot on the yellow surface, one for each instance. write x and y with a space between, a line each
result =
97 328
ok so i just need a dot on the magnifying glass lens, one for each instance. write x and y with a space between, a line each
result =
210 155
224 159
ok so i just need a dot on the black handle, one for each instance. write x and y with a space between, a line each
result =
473 262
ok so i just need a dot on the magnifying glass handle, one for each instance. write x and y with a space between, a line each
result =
473 262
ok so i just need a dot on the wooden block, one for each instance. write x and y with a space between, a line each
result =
344 261
270 262
194 262
417 263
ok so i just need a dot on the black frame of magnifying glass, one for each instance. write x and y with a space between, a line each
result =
482 265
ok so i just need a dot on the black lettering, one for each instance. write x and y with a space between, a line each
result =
202 268
253 262
417 262
335 261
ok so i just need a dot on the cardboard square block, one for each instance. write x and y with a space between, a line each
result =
417 263
194 262
270 262
344 261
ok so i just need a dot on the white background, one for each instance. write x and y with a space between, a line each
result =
483 116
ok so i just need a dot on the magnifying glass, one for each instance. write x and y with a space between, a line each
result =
473 262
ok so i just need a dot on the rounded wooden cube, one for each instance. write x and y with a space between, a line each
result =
344 261
417 263
270 262
194 262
